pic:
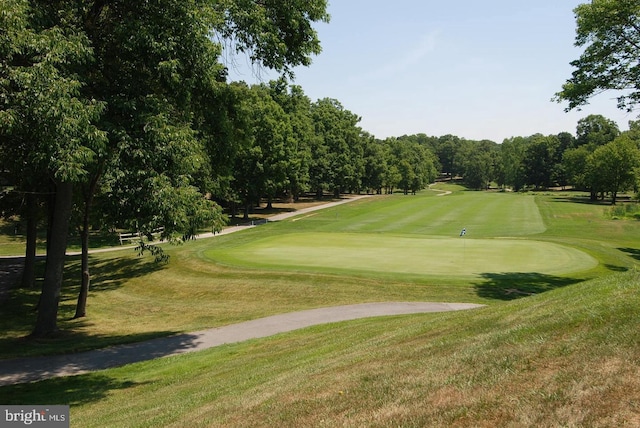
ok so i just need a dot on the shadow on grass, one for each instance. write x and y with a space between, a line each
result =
109 274
586 200
632 252
510 286
72 391
18 312
142 347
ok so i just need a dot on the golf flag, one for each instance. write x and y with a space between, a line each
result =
463 231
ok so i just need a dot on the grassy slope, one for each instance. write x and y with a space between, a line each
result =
570 357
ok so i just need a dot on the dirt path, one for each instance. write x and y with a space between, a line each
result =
38 368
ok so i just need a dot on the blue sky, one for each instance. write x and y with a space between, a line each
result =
476 69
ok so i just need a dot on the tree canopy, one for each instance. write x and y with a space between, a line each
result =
110 91
609 32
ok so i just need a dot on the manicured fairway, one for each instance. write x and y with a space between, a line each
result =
392 254
485 215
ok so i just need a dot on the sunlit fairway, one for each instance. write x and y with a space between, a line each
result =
416 236
392 255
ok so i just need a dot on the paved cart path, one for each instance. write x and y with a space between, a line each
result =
38 368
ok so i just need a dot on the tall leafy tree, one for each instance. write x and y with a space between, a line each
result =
595 130
574 163
609 33
559 175
376 164
263 161
414 162
338 163
539 160
131 74
592 132
297 106
448 146
614 166
44 107
512 153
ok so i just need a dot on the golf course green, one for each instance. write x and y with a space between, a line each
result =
387 253
411 236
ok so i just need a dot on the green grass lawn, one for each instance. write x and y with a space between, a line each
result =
567 355
389 255
570 357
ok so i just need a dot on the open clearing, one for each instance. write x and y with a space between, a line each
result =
390 254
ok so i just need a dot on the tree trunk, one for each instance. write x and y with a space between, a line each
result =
29 272
46 323
81 305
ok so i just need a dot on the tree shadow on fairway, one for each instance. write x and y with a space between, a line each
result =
18 312
111 273
72 390
514 285
578 199
632 252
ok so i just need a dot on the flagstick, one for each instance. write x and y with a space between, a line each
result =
463 233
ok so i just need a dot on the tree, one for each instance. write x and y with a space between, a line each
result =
595 130
414 163
276 34
297 106
592 132
614 166
337 163
478 170
130 75
44 107
375 165
559 173
262 163
574 163
448 146
609 32
512 153
539 160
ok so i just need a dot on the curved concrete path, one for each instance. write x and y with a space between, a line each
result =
38 368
